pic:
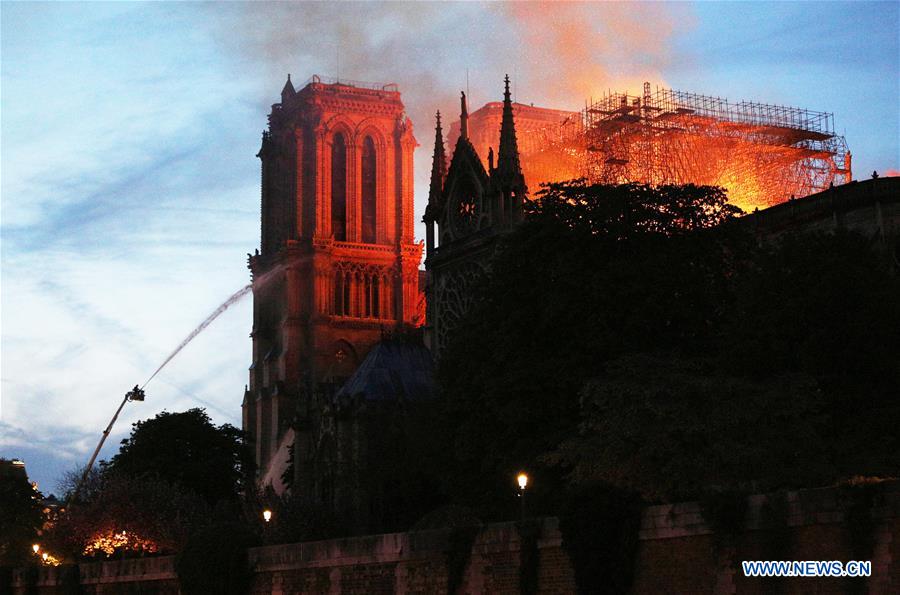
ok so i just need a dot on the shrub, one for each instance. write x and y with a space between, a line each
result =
215 561
599 525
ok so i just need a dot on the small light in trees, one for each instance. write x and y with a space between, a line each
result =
36 547
267 515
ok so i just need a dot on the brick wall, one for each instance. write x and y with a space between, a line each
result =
678 553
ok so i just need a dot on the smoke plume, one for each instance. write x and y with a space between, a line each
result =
557 54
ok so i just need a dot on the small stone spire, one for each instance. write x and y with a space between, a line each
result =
288 91
463 117
438 164
508 154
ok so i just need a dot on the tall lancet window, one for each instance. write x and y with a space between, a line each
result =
339 187
368 191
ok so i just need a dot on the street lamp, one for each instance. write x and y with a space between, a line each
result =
522 480
36 547
267 515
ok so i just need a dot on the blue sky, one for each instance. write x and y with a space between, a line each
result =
130 188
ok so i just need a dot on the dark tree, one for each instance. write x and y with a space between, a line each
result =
643 338
828 305
595 272
214 560
130 516
186 449
666 427
21 516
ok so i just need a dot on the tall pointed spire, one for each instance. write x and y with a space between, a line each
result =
438 164
508 154
288 91
463 116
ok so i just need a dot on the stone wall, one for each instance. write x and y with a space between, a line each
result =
678 553
413 563
870 207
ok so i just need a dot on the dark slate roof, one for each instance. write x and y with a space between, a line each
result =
393 370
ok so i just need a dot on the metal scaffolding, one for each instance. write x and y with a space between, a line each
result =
761 154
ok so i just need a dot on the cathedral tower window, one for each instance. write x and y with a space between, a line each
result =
342 293
369 187
372 298
339 187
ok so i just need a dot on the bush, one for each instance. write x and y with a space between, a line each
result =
599 525
724 512
130 516
215 561
459 552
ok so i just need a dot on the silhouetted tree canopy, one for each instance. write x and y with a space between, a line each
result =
664 426
20 515
642 336
828 306
130 516
186 449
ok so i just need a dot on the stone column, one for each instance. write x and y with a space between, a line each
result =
298 182
323 184
354 191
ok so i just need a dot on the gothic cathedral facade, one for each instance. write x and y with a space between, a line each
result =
338 264
469 209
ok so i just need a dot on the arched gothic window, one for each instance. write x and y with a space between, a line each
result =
369 186
339 187
341 293
372 298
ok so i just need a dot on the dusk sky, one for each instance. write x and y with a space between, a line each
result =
130 186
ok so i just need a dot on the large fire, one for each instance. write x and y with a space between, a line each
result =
761 154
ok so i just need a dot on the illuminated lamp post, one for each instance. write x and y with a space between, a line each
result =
522 480
267 517
36 548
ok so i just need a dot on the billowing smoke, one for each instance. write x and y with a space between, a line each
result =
558 54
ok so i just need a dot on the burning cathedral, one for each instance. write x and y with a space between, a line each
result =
345 324
340 334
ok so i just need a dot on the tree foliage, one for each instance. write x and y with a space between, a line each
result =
294 518
827 305
593 273
641 336
600 524
131 515
215 561
21 517
187 449
664 426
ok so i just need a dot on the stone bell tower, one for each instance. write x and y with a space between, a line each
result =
337 264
